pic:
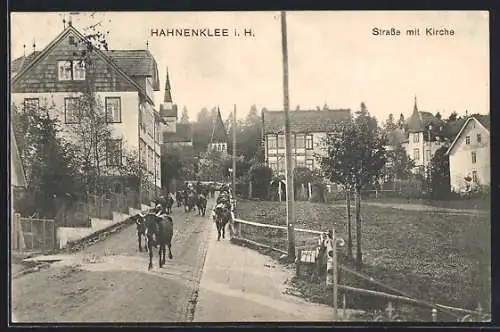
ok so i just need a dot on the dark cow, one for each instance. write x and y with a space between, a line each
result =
169 202
222 217
159 233
212 190
189 201
201 204
141 231
179 197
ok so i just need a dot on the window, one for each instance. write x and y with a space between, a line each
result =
474 177
428 155
271 142
71 110
31 103
71 70
300 163
144 153
71 40
150 160
114 152
292 140
113 109
416 138
281 141
416 154
474 157
273 164
78 70
64 70
310 163
479 138
309 142
467 140
281 164
300 141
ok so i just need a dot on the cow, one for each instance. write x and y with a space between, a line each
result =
179 197
141 231
159 233
169 202
201 204
222 216
189 201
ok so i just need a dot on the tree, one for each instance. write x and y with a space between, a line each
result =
47 160
202 130
453 116
390 124
355 158
302 176
176 164
400 165
438 115
260 175
401 121
185 115
297 108
211 166
325 107
440 174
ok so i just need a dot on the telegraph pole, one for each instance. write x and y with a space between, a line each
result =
290 199
234 152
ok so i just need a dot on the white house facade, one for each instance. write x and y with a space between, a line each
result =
123 88
470 154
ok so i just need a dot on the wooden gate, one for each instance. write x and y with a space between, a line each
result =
33 235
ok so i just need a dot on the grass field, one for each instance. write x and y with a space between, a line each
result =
437 257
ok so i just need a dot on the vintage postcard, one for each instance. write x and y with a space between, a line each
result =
314 166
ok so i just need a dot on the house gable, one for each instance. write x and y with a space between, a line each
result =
468 126
41 74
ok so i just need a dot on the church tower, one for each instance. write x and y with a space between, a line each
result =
168 110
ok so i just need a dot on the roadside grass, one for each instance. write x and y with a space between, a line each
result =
429 256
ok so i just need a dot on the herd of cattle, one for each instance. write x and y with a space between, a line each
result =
156 227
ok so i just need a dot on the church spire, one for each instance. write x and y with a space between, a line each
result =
415 108
168 96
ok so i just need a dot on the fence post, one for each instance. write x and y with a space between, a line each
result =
434 314
334 258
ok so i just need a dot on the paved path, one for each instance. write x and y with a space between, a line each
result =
240 285
109 281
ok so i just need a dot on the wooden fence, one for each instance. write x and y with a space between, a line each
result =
33 235
309 238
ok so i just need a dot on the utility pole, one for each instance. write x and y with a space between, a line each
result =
290 199
234 152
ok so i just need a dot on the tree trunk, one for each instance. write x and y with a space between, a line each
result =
359 255
349 228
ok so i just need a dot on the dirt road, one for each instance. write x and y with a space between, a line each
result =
109 281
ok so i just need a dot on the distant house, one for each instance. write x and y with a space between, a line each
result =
125 82
308 129
218 135
425 134
469 153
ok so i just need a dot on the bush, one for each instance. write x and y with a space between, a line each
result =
260 174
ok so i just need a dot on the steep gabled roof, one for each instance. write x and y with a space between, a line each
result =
218 130
483 120
18 178
183 134
305 121
17 64
102 54
137 63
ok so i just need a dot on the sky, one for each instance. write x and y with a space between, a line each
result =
334 58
